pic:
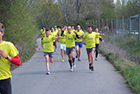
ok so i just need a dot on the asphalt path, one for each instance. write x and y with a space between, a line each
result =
31 78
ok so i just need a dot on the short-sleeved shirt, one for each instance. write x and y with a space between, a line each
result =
10 50
70 39
72 30
54 34
97 40
48 43
90 39
79 33
43 34
62 38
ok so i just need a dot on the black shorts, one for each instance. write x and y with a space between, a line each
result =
69 50
5 86
53 43
49 53
90 49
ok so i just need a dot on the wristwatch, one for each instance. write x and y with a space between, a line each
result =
7 57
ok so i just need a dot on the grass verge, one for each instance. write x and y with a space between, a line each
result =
130 70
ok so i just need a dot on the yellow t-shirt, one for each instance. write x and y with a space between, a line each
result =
56 31
48 43
59 30
90 39
72 30
70 39
54 34
10 50
97 39
66 30
43 34
80 33
62 38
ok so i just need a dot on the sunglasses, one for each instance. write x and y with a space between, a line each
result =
2 30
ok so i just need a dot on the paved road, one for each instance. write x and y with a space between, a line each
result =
31 78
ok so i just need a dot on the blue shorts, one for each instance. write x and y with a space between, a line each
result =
80 44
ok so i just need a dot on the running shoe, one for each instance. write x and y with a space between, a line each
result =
74 65
55 50
79 59
92 68
76 56
62 60
95 59
52 61
48 72
71 69
89 66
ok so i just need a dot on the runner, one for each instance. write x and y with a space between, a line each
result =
72 28
62 44
54 34
90 45
97 43
8 55
56 31
42 31
78 42
48 48
70 44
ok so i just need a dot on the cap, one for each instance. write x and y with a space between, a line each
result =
55 26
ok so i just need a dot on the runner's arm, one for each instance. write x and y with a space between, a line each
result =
41 46
102 34
14 60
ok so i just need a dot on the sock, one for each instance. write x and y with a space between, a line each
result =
73 60
70 62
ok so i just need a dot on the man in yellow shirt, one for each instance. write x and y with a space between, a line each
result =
90 45
72 28
8 55
56 31
42 31
78 42
70 44
52 33
48 48
97 42
62 44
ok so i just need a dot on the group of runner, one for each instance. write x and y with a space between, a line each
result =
70 40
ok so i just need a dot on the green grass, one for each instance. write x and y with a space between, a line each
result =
131 73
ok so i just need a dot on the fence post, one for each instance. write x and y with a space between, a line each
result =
130 27
122 26
116 26
107 26
99 24
102 24
139 30
96 23
111 25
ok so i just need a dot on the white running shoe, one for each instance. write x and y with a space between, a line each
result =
74 65
71 69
